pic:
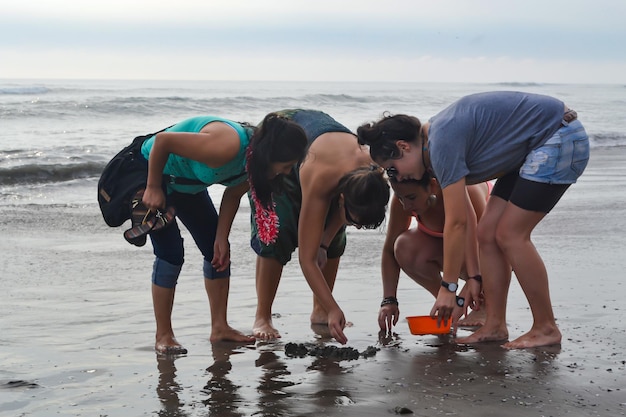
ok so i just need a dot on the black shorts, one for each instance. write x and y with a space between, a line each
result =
528 195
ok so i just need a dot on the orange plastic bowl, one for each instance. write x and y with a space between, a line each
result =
427 325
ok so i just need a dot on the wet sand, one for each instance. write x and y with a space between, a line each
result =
77 327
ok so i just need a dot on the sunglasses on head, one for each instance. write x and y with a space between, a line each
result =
392 172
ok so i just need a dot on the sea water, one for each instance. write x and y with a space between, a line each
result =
57 135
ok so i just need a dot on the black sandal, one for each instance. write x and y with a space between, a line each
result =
145 221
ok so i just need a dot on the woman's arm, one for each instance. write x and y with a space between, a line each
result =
477 195
317 182
454 232
472 265
215 145
399 221
228 209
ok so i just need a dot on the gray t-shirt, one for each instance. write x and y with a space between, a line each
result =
486 135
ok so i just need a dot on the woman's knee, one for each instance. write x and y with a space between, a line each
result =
486 234
211 273
507 238
165 274
408 254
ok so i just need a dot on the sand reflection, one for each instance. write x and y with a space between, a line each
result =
273 398
223 397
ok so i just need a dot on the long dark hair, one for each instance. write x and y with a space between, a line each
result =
422 182
366 194
277 139
381 136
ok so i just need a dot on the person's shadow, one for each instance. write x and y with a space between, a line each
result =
168 388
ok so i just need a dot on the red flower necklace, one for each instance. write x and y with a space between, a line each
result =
266 220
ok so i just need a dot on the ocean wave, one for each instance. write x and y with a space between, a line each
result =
24 90
49 173
102 108
105 107
608 139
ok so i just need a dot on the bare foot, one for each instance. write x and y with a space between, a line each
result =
319 316
228 334
473 319
492 334
264 329
535 338
168 345
321 330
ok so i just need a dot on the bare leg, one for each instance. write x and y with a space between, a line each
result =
319 314
496 273
514 238
163 303
421 257
268 273
217 291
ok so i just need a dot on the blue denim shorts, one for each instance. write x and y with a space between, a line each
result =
562 159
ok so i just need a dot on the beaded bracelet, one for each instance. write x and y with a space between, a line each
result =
389 300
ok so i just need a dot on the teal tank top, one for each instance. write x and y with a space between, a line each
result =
232 173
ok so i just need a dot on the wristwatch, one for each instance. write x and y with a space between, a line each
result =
450 286
460 301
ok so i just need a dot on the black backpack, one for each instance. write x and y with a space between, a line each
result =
120 180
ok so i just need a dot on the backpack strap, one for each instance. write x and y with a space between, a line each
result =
171 179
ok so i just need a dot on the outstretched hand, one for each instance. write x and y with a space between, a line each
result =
457 313
388 317
444 307
474 297
336 324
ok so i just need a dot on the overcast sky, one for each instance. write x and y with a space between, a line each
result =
566 41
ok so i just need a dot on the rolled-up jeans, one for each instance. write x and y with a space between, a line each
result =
199 216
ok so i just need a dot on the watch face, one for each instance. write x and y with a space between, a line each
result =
460 301
451 286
